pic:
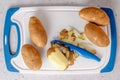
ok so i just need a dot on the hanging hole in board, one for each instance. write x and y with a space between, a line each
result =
13 39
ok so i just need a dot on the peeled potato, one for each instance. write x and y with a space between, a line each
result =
56 57
96 35
37 32
95 15
31 57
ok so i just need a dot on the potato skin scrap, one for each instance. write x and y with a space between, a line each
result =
31 57
95 15
96 35
64 32
37 32
71 58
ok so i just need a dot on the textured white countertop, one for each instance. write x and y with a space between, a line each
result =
5 4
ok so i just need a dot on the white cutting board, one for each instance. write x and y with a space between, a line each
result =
54 19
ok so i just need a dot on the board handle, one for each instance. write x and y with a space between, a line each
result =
14 54
6 43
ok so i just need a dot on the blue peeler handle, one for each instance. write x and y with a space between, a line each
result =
6 40
79 50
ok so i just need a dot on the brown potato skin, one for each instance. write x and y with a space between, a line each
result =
50 50
31 57
96 35
95 15
37 32
71 58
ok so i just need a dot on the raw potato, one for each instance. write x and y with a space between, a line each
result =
31 57
37 32
56 57
95 15
96 35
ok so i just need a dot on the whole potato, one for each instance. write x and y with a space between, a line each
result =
31 57
37 32
96 35
95 15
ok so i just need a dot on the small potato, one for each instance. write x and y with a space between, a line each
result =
96 35
95 15
31 57
37 32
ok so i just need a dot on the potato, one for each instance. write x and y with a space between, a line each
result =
95 15
31 57
37 32
96 35
56 57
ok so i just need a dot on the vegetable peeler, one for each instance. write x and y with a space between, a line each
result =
80 51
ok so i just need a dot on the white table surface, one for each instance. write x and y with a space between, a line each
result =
5 4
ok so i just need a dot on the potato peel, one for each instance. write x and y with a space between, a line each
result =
71 59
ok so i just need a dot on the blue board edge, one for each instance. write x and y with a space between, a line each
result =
7 26
110 65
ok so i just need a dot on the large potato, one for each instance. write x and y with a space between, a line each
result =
96 35
37 32
31 57
95 15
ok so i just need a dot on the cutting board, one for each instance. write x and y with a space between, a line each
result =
54 19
